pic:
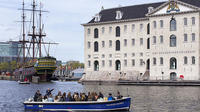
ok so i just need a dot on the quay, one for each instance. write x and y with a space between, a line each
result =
145 83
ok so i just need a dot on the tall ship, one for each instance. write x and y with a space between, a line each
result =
33 65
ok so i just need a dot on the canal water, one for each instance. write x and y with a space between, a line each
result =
144 98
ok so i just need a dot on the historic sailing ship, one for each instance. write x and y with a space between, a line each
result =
32 65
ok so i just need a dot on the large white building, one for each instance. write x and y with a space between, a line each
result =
156 41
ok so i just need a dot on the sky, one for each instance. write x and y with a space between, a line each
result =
62 22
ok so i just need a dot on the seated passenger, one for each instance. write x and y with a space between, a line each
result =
50 98
89 97
56 99
37 96
100 95
63 98
69 97
119 96
110 97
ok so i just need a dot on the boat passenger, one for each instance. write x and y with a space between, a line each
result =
59 95
100 95
69 97
89 97
45 99
37 96
63 98
110 97
50 98
96 96
76 97
48 91
119 96
82 97
56 99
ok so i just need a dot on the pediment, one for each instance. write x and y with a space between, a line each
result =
173 7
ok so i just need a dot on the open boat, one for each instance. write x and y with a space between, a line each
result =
119 104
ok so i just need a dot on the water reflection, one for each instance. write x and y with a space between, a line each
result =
144 98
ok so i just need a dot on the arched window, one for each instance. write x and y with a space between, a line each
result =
148 28
172 41
96 66
173 25
173 63
117 65
96 33
117 31
193 60
117 45
96 47
148 43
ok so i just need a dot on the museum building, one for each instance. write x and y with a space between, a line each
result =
154 41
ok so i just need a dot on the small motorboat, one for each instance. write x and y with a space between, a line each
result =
113 105
25 82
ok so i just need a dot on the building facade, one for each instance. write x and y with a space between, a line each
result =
10 51
156 41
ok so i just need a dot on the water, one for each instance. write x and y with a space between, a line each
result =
144 98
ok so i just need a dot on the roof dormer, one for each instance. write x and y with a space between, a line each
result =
150 9
119 14
97 17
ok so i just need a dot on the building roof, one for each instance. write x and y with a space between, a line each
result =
135 11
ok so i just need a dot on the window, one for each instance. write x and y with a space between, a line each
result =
193 37
133 54
148 28
161 60
141 26
185 60
89 64
97 17
154 24
185 21
141 54
110 63
103 63
89 45
103 30
154 61
193 20
161 24
118 65
96 66
148 43
133 42
161 39
125 55
154 39
119 15
117 45
88 31
141 41
141 62
110 55
103 43
96 47
185 37
133 27
110 43
117 31
110 29
172 41
133 62
96 33
173 25
173 63
193 60
89 56
125 63
125 42
103 56
125 28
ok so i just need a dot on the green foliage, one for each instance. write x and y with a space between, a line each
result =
8 66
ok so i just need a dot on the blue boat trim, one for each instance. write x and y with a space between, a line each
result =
120 104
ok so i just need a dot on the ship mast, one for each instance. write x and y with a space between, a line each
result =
23 31
33 35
